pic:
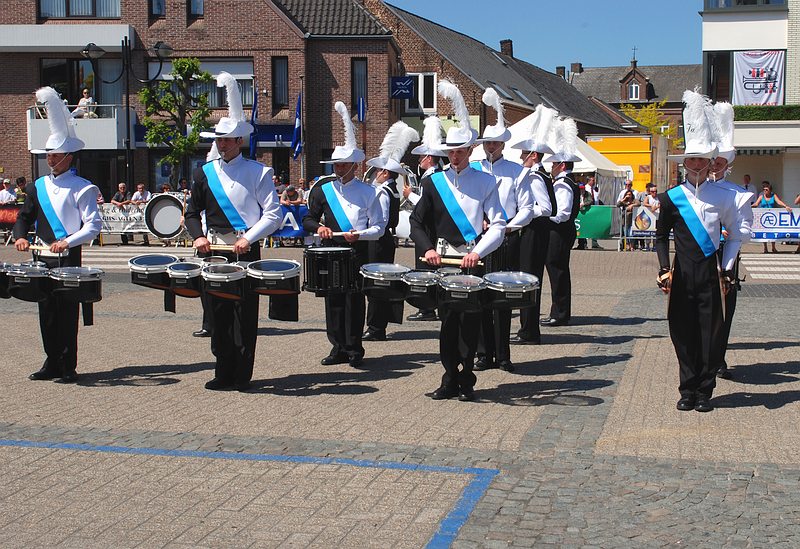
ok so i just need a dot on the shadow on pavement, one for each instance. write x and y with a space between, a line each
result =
610 320
277 331
770 401
543 393
576 339
413 335
766 373
567 364
765 345
141 375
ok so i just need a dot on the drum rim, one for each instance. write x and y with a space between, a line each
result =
444 284
328 249
432 281
27 271
373 275
516 287
440 273
148 216
205 260
88 273
224 277
189 273
150 269
253 272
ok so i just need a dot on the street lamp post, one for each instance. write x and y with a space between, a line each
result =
93 52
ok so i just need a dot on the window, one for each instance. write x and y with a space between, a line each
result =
78 8
69 77
240 68
633 91
523 96
499 89
217 96
158 8
743 4
358 82
425 88
280 82
195 8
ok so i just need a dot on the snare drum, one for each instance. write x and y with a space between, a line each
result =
184 277
214 260
225 281
462 293
4 267
445 271
274 277
423 289
163 214
329 270
29 281
384 281
150 270
511 290
77 284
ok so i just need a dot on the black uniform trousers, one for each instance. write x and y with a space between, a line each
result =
380 313
58 322
493 342
234 328
730 309
562 238
457 344
695 324
534 242
344 313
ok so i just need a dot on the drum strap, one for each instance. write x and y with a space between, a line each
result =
49 212
336 208
222 199
88 314
453 207
692 220
169 301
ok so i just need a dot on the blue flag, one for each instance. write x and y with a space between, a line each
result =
297 136
253 117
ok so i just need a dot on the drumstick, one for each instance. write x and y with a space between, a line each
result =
222 247
37 248
448 261
345 232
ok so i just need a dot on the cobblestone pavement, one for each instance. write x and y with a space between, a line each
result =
585 439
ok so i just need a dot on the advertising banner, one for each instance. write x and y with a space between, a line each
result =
643 223
292 222
775 224
595 222
758 77
123 219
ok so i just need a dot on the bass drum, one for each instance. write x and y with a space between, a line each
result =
163 215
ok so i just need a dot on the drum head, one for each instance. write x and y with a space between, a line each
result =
383 271
183 270
445 271
224 273
151 262
462 283
327 249
76 273
511 280
214 260
162 215
421 278
273 268
29 271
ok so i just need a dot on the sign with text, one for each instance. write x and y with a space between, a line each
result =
594 222
758 77
775 224
402 87
643 223
123 219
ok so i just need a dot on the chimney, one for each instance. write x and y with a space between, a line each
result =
576 68
507 47
561 71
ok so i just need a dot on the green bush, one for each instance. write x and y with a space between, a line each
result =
757 112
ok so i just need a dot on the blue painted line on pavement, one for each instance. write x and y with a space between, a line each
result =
444 536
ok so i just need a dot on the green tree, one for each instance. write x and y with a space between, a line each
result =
651 117
174 116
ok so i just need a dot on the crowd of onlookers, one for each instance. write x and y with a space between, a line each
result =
13 192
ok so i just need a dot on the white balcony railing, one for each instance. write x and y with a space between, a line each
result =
102 128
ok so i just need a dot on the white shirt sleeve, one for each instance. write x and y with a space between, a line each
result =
524 198
542 206
376 223
270 208
563 202
90 216
494 234
413 198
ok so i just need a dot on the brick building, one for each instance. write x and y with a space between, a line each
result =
337 45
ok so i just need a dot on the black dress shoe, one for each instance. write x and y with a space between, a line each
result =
218 384
519 340
423 316
244 387
43 375
553 322
724 373
356 362
483 364
685 404
443 393
467 395
505 365
201 333
334 359
374 335
703 404
70 377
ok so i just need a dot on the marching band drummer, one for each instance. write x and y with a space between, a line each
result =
517 204
349 206
241 207
63 209
395 143
453 205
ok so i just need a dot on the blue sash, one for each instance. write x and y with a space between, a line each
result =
453 207
479 166
693 222
215 185
336 207
49 212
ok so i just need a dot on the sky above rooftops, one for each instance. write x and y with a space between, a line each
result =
597 33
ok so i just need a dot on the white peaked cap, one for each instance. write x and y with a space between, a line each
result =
62 137
723 130
565 142
349 152
431 138
461 135
394 146
497 132
235 124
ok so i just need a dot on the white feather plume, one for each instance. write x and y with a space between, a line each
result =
349 130
544 126
235 110
397 139
723 125
695 117
491 99
566 137
432 131
58 117
449 91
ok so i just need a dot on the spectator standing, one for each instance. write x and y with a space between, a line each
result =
628 187
142 196
628 204
291 197
7 195
21 194
768 199
652 203
121 199
594 192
